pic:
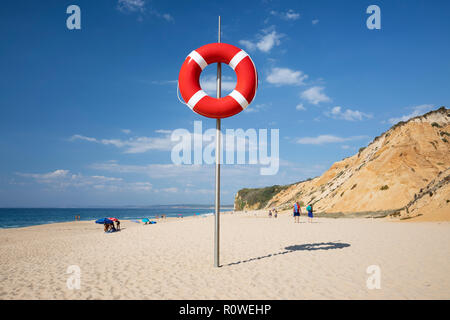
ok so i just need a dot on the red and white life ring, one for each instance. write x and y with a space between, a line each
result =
237 100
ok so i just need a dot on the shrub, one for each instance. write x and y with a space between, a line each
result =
435 124
385 187
354 186
260 195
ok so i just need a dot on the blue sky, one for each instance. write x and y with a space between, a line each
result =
86 115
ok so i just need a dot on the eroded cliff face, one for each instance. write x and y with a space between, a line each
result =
386 175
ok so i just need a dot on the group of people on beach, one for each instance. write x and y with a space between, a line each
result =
109 226
274 212
297 210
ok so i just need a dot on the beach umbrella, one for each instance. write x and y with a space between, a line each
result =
145 220
103 221
113 219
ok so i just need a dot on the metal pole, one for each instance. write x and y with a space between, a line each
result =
217 204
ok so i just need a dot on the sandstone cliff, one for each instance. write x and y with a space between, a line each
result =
387 175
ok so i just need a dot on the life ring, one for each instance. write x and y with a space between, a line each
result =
237 100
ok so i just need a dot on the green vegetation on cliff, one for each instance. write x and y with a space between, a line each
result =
259 197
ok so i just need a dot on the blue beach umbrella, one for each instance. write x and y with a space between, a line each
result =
103 221
145 220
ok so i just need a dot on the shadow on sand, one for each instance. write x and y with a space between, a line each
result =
298 247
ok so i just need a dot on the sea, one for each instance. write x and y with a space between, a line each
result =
25 217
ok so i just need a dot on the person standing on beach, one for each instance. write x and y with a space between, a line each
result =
309 208
297 211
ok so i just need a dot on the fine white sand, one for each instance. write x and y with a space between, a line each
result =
261 258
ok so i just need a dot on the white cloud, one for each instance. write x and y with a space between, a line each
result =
286 76
133 144
256 107
170 190
50 176
81 137
126 131
140 7
208 83
326 138
315 21
136 145
289 15
131 5
300 107
266 41
63 179
315 95
416 111
349 115
248 44
168 17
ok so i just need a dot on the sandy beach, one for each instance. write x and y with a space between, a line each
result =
261 258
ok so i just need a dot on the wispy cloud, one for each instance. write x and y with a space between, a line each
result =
315 95
63 179
266 40
168 17
140 7
315 21
347 114
327 138
416 111
131 5
256 108
286 76
288 15
198 178
133 144
208 83
300 107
